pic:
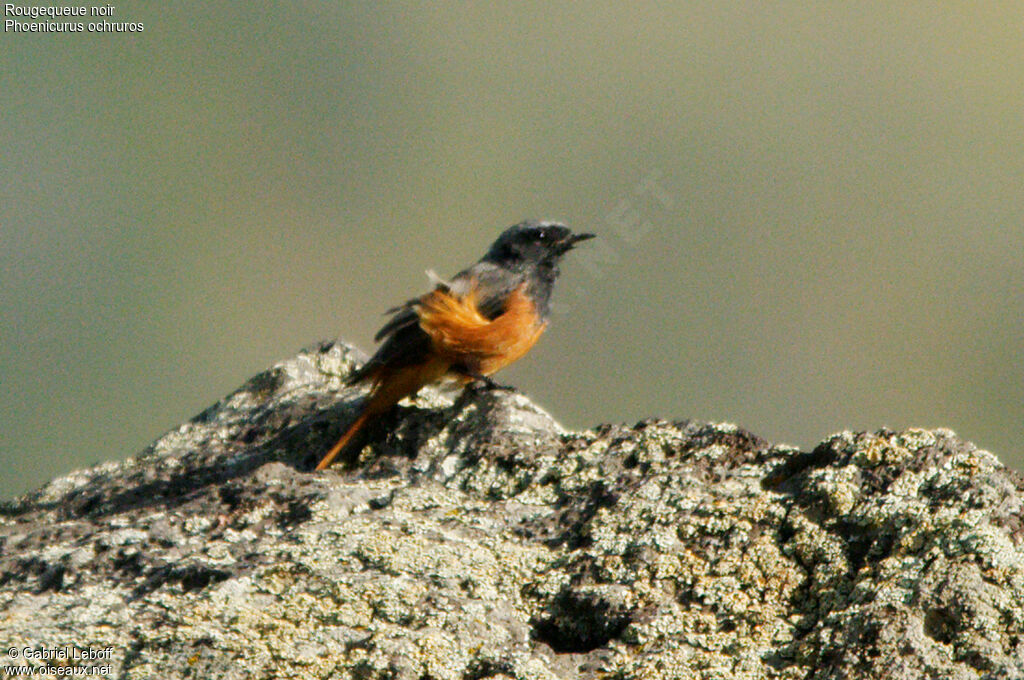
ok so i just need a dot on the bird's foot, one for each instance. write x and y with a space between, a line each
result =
491 385
479 384
482 382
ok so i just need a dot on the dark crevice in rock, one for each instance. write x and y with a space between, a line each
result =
940 625
580 622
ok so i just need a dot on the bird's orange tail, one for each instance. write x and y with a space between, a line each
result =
389 388
351 432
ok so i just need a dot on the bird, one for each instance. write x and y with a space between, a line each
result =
467 328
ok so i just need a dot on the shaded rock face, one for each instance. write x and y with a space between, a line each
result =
477 539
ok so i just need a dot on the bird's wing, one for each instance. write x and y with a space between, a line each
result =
405 343
489 284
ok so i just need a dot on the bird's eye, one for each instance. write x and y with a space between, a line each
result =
544 234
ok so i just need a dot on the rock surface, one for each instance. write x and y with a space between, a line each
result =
477 539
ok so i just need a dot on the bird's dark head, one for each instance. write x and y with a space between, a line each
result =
533 242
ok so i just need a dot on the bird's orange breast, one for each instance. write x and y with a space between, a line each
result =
466 338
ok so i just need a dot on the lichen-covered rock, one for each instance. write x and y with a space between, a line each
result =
476 539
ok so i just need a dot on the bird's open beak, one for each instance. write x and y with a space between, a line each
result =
572 240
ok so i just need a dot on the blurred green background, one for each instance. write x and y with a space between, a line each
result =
810 214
